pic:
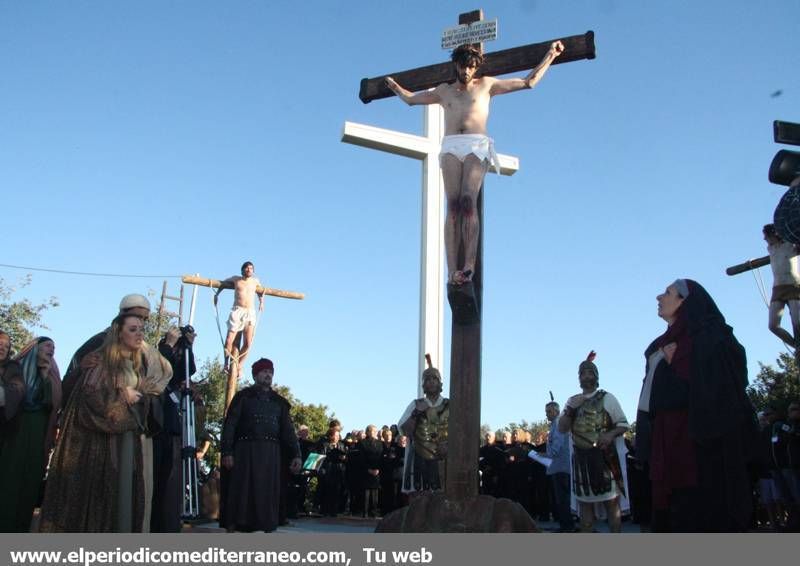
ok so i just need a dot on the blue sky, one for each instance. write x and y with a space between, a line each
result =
163 138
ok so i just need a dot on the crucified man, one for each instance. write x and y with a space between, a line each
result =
243 314
467 152
783 258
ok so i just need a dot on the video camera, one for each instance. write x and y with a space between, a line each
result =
785 166
784 169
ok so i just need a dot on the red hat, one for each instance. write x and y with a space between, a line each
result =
262 364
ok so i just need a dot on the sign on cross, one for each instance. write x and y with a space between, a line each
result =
477 32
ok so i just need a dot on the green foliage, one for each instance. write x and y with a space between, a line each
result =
315 417
212 381
157 325
776 387
18 318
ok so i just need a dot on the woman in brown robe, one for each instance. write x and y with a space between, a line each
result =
99 475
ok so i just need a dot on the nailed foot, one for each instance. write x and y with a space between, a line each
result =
460 277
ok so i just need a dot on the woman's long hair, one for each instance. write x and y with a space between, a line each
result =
112 352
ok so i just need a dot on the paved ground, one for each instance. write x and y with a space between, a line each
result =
347 524
314 524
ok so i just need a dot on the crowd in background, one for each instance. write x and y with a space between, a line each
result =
360 474
114 423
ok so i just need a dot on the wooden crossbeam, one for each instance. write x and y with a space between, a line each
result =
576 47
748 265
216 283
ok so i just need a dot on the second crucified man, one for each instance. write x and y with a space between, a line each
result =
467 152
243 314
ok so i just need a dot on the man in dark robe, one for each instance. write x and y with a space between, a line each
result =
520 470
331 480
298 483
372 448
490 462
257 426
355 472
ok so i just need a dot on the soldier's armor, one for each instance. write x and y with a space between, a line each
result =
430 434
594 470
590 420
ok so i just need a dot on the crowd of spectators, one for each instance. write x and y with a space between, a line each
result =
117 407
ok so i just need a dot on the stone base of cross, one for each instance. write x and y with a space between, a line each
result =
439 513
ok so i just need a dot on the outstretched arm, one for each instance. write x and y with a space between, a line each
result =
412 98
510 85
221 288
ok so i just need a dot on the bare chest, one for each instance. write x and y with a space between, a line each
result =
245 286
466 100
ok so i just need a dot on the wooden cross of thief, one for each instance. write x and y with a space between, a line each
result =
237 351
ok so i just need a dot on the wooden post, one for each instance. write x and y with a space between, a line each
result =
465 373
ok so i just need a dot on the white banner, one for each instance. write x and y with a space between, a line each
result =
476 32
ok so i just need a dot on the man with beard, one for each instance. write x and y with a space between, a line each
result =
425 423
596 422
256 427
467 152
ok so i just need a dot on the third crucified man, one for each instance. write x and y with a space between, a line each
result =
467 151
243 314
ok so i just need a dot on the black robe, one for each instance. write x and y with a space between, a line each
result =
331 478
720 418
256 427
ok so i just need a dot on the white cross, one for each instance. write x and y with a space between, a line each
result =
426 149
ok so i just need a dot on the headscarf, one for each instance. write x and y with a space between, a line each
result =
717 399
678 332
37 392
27 358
